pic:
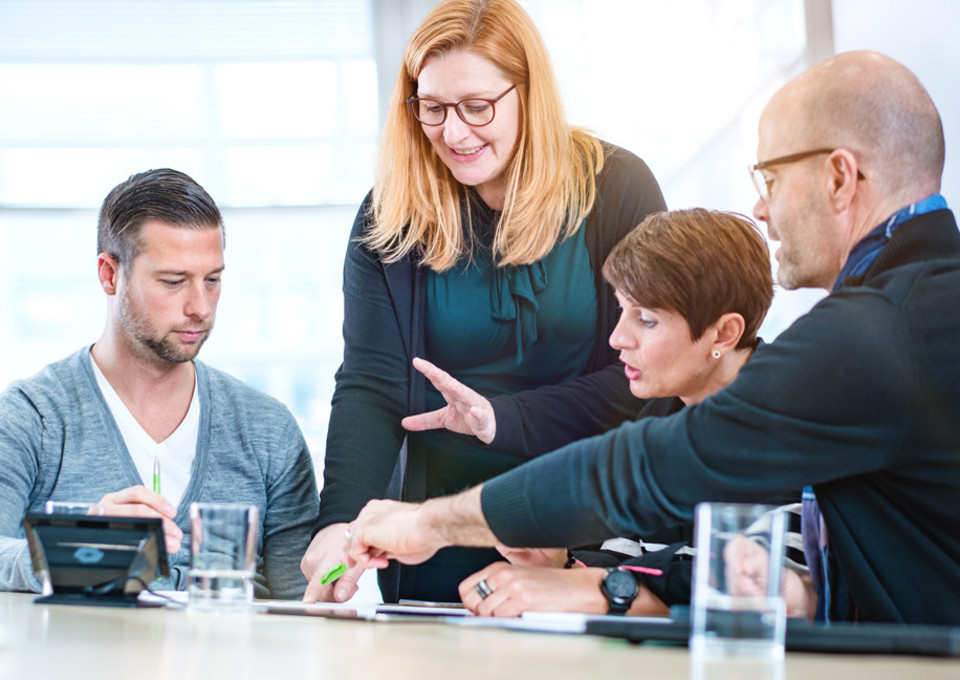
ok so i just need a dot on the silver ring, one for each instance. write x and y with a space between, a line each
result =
483 589
348 536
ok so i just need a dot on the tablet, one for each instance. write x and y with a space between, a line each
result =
82 559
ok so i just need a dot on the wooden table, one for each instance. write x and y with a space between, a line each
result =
69 642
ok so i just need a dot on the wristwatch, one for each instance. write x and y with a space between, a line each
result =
620 588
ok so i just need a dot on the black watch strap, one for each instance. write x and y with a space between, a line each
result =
620 588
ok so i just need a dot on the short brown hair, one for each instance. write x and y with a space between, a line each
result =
699 263
166 195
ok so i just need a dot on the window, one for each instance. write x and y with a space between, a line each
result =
270 104
264 103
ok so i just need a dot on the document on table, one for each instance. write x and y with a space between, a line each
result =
548 622
540 622
348 610
165 598
366 610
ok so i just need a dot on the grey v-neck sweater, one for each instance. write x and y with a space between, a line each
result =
58 441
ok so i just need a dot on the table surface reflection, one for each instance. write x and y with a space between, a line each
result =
58 641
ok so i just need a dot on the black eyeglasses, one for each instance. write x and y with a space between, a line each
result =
473 112
761 183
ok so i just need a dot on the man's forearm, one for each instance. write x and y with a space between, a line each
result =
413 532
458 519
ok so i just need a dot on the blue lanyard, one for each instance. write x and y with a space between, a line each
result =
866 251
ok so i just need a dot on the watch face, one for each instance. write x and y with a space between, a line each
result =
621 585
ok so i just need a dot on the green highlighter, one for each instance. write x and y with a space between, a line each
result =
332 575
156 474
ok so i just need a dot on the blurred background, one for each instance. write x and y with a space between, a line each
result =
275 107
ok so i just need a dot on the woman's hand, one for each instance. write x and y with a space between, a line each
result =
466 411
328 549
515 589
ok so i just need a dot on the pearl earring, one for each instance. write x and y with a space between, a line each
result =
716 354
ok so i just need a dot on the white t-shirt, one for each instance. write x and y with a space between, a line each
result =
175 453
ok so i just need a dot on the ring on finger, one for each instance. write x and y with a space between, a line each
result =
483 589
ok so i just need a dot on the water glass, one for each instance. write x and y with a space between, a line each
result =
223 556
738 608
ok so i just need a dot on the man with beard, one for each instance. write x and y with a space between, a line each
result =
94 426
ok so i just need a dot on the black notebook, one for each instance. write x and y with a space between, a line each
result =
854 638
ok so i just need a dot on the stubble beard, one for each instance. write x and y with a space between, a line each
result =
800 259
807 269
786 273
158 347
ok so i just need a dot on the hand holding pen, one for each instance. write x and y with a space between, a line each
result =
325 566
139 501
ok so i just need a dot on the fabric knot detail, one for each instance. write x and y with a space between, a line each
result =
513 297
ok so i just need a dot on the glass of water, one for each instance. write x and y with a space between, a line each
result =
223 556
738 608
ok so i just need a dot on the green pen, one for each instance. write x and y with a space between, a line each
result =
156 474
334 573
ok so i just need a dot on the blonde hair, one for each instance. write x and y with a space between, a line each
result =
551 179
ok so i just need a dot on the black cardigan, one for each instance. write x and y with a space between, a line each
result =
368 454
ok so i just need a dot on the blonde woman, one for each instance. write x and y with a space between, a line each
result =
480 249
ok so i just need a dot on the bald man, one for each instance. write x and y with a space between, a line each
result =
858 400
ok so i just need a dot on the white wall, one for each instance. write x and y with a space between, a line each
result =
923 35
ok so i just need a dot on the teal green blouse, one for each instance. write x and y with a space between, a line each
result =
501 330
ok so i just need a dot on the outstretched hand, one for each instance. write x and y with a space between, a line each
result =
386 530
412 532
466 412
